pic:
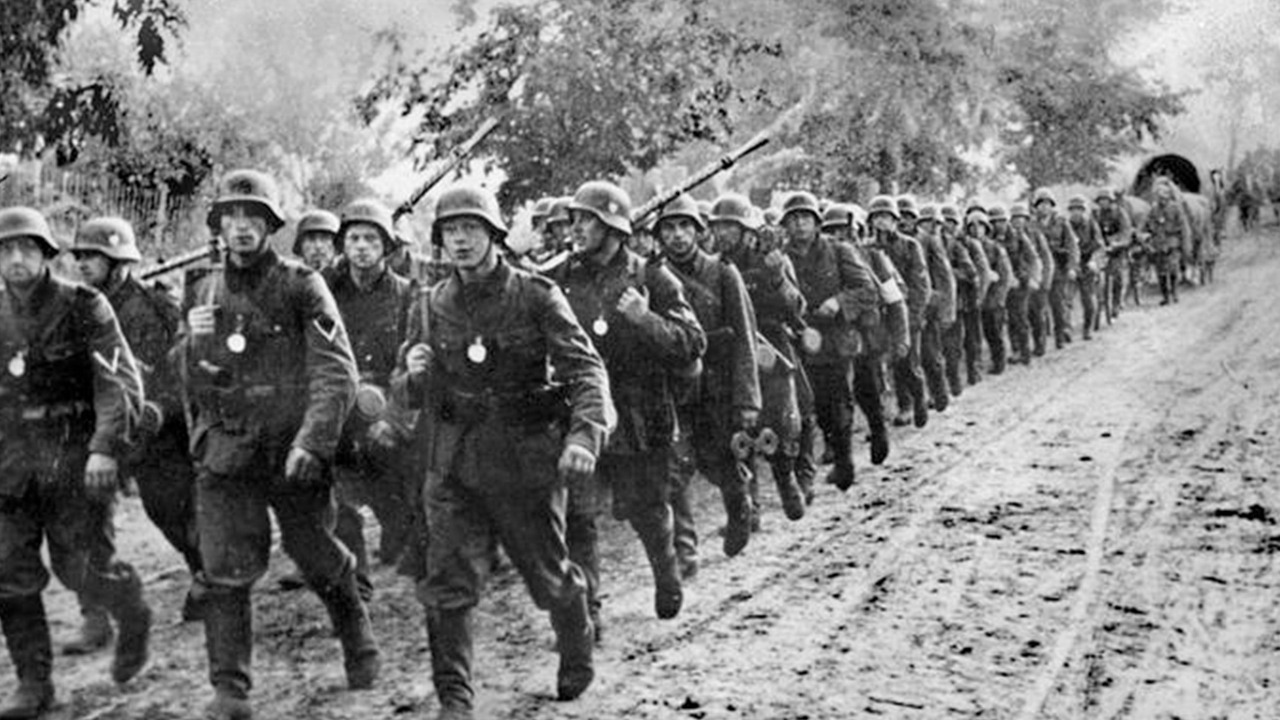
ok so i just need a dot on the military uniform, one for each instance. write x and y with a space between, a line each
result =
1064 246
1039 310
994 315
1027 274
69 387
971 315
909 260
939 315
1169 235
966 277
889 334
1093 252
1117 235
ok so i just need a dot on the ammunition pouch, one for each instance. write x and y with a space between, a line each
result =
533 408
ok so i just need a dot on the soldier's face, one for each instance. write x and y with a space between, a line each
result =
467 241
589 232
907 224
679 236
728 234
949 228
243 228
94 268
1104 203
1044 208
800 226
21 261
362 245
1077 214
977 229
1019 223
926 226
883 222
317 250
1000 225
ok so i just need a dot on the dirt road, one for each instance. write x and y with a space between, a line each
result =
1092 537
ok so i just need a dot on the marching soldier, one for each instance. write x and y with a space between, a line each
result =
726 398
1117 236
984 277
649 337
1065 248
940 313
1169 233
269 369
520 403
842 297
908 215
1025 262
978 224
1038 305
105 250
966 277
908 258
1092 250
315 239
779 311
370 465
69 391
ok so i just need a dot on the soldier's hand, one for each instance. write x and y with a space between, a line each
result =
100 473
633 304
418 359
829 308
302 467
1071 274
901 349
576 463
202 320
773 260
748 418
383 435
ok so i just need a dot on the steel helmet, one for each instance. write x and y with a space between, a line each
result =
1103 194
907 206
800 202
1077 201
997 212
247 186
541 209
558 212
929 212
469 201
606 201
771 216
735 208
1042 194
882 204
1018 210
978 216
704 212
685 207
372 212
949 212
837 215
315 221
18 222
111 236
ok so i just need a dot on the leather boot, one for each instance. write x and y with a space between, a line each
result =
95 630
668 594
582 536
806 469
349 529
133 617
737 510
228 638
26 633
449 635
350 618
574 639
685 526
789 491
842 474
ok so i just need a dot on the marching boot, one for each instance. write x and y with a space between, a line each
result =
582 536
228 637
1164 289
133 617
449 635
26 632
789 492
349 529
806 469
737 511
685 526
350 618
921 407
842 474
574 639
95 630
668 594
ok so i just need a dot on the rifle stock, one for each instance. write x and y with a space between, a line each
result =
452 160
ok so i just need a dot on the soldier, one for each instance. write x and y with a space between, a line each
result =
1038 304
890 334
269 369
779 311
105 250
978 225
559 237
70 388
1027 271
1092 250
315 238
1065 248
842 297
370 465
972 316
940 314
1117 236
726 399
1169 234
648 335
908 258
966 278
519 403
706 241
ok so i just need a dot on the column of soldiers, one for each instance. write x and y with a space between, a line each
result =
477 399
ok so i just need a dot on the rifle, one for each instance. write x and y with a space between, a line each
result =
190 257
452 160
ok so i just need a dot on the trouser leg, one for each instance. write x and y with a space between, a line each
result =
1087 284
640 494
866 394
26 635
833 402
993 321
973 344
953 355
932 363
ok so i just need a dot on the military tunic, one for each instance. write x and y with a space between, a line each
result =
1064 246
1093 251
